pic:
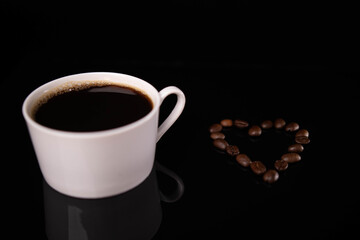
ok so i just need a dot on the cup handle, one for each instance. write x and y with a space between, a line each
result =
179 107
169 121
177 194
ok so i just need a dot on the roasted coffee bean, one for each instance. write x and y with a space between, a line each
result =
281 165
296 148
217 135
279 123
266 124
255 131
220 144
215 128
291 157
302 140
243 160
271 176
292 127
302 133
232 150
258 167
226 122
241 123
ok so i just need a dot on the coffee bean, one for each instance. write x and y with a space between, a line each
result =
258 167
296 148
291 157
215 128
226 123
279 123
266 124
254 131
292 127
302 140
271 176
220 144
302 133
243 160
232 150
241 123
281 165
217 135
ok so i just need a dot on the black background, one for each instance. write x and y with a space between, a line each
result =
230 64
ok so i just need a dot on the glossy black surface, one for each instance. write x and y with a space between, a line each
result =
316 198
135 214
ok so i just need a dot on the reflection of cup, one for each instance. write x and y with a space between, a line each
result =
135 214
99 163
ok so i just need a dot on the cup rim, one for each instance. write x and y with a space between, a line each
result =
107 76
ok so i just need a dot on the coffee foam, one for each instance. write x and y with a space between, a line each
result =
77 86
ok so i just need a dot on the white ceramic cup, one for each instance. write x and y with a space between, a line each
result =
100 163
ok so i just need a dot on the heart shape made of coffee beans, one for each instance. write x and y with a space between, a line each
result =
268 175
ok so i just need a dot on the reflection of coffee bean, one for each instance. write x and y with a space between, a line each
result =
271 176
279 123
220 144
296 148
291 157
241 123
266 124
217 135
226 123
302 140
232 150
254 131
258 167
215 128
243 160
292 127
281 165
302 133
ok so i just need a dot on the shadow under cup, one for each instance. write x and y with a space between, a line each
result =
100 163
135 214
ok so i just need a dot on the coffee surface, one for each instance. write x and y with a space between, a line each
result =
93 109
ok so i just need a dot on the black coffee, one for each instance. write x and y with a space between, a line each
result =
93 108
